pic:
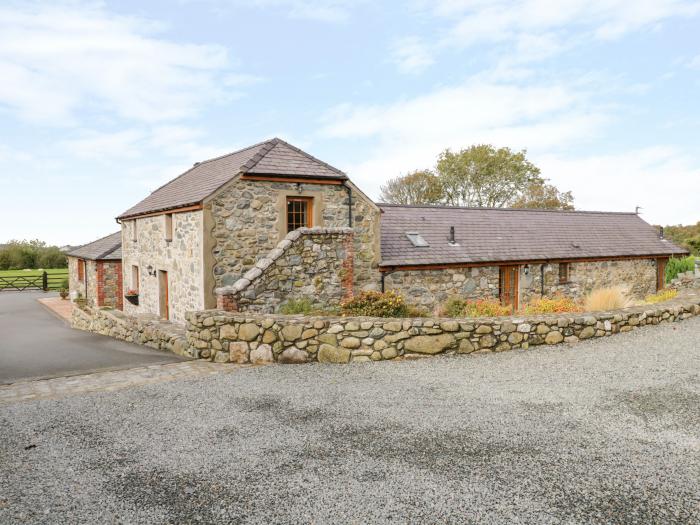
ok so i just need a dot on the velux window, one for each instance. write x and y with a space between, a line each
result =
417 239
298 212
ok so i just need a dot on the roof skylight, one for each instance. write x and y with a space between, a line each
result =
417 239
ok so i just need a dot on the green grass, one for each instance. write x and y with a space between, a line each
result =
54 283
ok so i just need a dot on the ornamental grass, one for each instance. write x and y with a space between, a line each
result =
601 299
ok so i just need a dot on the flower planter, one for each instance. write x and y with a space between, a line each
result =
133 299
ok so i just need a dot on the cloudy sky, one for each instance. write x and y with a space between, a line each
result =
101 102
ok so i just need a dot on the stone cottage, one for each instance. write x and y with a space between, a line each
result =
252 229
210 226
95 272
430 253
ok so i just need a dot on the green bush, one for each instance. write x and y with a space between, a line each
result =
677 265
65 283
453 307
376 304
297 306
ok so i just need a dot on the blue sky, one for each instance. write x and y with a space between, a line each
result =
101 102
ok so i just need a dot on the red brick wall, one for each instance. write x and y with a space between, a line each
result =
110 284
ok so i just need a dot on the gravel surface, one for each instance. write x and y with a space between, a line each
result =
602 431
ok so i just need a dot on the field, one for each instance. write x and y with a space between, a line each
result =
33 278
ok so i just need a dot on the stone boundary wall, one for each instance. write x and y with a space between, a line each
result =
309 263
686 280
241 338
143 329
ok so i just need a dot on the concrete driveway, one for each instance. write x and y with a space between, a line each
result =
35 344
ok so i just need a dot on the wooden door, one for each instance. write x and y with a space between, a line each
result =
660 273
164 296
509 280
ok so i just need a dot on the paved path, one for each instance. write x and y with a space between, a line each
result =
62 308
605 431
34 343
109 381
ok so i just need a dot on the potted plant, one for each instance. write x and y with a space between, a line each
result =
63 293
132 296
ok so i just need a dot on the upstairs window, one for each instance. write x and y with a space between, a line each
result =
168 226
298 213
417 240
134 232
563 273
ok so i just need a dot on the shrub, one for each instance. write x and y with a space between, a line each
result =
297 306
606 299
552 305
453 307
65 284
660 297
677 265
485 308
376 304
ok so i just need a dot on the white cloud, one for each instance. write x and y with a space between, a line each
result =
529 30
58 60
663 180
317 10
411 55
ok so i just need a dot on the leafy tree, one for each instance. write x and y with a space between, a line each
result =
478 176
545 196
687 236
417 187
484 176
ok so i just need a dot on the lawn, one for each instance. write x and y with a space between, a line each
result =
20 277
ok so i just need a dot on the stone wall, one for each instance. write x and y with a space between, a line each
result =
430 288
241 338
249 220
144 329
685 280
309 263
181 258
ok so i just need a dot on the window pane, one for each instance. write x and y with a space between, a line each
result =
297 213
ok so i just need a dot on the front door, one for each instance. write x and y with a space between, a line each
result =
509 286
163 294
660 273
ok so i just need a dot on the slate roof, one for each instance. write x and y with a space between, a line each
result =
105 249
273 157
503 234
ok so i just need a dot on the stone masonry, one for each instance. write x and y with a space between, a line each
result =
109 284
181 258
430 288
309 263
249 221
241 338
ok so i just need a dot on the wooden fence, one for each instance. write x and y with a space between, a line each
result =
32 281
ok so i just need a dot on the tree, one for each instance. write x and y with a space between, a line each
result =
485 176
417 187
479 176
545 196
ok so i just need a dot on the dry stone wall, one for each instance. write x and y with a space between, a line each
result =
242 338
143 329
309 263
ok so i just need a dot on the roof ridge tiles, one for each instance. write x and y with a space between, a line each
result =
486 208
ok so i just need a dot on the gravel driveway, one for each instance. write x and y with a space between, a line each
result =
603 431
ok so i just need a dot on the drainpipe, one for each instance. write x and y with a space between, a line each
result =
349 190
383 276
